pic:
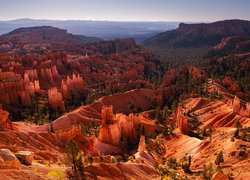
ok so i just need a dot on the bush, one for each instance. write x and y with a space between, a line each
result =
186 163
56 173
219 158
208 171
172 163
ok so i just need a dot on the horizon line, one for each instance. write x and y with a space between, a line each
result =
98 20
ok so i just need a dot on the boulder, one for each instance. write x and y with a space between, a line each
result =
9 158
25 157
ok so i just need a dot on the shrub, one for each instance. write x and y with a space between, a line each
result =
76 157
56 173
172 163
219 159
113 160
208 171
185 166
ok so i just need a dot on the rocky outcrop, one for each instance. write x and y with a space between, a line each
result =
37 86
199 35
14 89
142 144
47 70
182 121
220 176
127 128
74 83
121 127
236 105
4 121
72 86
101 147
25 157
69 133
110 134
241 108
9 158
55 99
107 115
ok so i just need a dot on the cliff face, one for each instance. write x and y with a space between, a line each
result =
49 37
199 35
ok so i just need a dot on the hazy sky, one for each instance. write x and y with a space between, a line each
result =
126 10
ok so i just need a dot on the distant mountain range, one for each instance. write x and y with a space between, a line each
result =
198 35
47 36
106 30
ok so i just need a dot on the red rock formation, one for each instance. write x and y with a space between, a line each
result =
15 90
182 121
9 158
55 99
236 105
240 107
72 85
127 127
37 86
70 133
75 83
4 121
107 115
120 125
32 73
142 144
110 134
64 89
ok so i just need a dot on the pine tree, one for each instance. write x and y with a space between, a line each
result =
76 157
219 159
238 125
72 150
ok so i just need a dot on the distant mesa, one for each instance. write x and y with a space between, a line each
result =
47 36
199 35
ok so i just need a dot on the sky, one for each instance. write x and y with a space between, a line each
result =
126 10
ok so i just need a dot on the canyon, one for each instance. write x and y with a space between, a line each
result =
84 108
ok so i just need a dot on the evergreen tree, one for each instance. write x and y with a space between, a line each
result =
219 158
75 156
